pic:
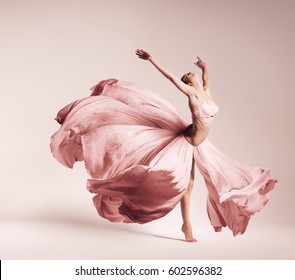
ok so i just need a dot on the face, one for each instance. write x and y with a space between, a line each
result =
189 77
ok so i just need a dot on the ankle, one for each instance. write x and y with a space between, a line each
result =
186 226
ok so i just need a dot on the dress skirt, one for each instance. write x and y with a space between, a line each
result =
133 145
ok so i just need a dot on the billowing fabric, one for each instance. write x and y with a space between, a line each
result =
133 145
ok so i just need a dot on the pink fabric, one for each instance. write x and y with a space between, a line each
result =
134 149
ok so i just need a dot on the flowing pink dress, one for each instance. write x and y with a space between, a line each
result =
133 145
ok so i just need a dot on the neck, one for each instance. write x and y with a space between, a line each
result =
197 85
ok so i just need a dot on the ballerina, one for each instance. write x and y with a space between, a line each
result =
203 110
141 154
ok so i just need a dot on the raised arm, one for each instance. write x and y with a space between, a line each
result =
186 89
205 76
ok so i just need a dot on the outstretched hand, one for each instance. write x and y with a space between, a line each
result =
143 54
200 63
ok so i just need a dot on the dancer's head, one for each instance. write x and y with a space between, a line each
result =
190 78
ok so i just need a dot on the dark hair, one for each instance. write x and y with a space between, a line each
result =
183 79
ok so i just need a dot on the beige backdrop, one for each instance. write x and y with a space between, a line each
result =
52 52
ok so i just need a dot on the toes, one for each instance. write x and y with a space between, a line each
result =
193 240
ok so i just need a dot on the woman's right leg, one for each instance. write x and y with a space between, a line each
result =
185 204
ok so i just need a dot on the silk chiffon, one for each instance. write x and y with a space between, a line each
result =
133 145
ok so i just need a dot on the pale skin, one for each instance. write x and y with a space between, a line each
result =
197 132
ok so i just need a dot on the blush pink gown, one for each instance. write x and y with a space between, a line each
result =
134 149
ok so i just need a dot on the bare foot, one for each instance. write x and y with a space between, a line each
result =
188 233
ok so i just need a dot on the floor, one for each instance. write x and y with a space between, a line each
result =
73 237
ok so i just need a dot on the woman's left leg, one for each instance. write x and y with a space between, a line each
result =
185 204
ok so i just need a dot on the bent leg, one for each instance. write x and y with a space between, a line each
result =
185 204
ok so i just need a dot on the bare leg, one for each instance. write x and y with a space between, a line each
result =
185 203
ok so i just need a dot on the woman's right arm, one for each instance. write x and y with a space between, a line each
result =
186 89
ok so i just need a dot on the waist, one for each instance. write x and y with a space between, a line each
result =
194 135
197 128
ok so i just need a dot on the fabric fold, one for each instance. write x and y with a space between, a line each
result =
133 145
236 191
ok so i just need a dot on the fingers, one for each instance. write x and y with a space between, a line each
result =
200 63
140 53
197 63
143 54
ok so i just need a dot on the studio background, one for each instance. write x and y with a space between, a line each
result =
52 52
